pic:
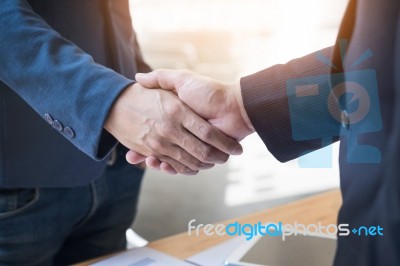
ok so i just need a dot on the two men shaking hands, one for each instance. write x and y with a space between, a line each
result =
179 122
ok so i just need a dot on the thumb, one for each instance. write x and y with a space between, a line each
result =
147 80
161 78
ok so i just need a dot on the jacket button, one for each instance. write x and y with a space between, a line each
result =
48 118
69 132
57 125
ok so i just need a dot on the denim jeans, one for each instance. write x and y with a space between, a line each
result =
60 226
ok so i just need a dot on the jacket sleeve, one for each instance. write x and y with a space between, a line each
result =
287 105
55 77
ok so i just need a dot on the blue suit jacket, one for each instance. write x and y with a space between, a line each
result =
62 65
291 125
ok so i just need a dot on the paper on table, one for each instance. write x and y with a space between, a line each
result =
216 255
142 257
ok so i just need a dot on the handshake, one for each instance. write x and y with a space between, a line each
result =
179 122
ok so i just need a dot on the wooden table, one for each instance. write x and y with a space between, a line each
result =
322 208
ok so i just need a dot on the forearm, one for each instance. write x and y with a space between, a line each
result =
266 102
54 76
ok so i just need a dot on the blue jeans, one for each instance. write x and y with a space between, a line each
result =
60 226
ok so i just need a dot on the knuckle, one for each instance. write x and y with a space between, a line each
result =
179 157
205 131
174 109
196 165
156 146
166 159
182 169
206 155
167 131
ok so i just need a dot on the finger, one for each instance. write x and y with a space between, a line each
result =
189 150
153 163
200 150
183 156
156 164
133 157
165 167
211 135
177 166
160 78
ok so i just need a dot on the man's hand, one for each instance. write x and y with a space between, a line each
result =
156 123
221 104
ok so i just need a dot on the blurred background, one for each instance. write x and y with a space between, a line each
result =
226 40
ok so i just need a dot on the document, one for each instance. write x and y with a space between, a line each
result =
142 257
216 256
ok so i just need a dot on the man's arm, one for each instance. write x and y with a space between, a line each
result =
266 102
55 77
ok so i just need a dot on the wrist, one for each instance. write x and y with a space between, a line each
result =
237 92
116 109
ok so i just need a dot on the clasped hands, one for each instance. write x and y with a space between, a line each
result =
179 122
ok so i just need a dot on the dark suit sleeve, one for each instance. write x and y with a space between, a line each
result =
266 102
54 76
